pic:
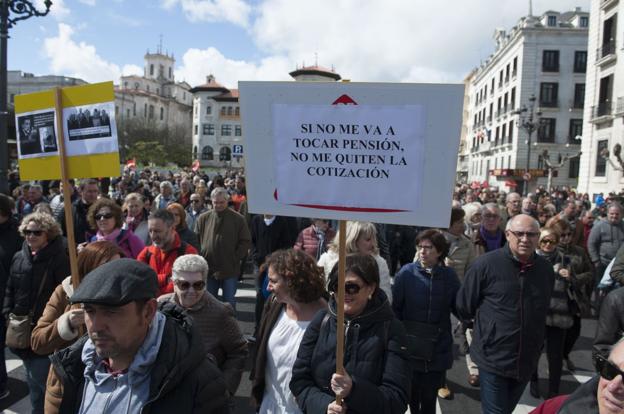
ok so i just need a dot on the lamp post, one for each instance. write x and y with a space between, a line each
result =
529 121
11 11
555 166
617 151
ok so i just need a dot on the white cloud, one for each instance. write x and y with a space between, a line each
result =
70 58
88 2
58 9
197 64
393 40
128 70
233 11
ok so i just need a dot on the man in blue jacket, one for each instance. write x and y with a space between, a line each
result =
507 293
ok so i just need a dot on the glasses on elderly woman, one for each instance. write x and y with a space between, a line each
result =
607 369
184 285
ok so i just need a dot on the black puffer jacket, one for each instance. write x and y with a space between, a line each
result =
508 302
26 275
375 358
183 378
610 322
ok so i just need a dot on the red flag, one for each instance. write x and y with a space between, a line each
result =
195 166
131 163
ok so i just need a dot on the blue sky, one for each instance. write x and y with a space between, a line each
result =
365 40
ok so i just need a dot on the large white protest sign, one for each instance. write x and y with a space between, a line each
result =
379 152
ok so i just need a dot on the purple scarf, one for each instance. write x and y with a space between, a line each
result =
492 242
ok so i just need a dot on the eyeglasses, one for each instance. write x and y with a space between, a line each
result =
184 285
352 288
607 369
527 234
35 233
548 241
104 216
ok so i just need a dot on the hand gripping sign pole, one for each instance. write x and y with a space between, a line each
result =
69 218
340 296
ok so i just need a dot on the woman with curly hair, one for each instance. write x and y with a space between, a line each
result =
36 271
106 217
297 287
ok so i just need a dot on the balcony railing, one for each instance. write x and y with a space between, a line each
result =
606 49
602 109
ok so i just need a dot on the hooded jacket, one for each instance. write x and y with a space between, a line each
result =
180 377
508 301
375 358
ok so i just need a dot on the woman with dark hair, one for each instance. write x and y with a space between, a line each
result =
297 287
179 221
374 355
60 325
106 217
36 270
424 297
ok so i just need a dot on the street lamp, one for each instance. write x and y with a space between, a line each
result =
555 166
11 11
617 151
530 122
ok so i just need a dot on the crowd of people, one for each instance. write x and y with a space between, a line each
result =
149 322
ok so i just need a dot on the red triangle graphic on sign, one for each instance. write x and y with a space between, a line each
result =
344 100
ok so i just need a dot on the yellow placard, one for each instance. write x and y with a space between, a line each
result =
40 166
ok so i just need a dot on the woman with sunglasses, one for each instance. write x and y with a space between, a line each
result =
106 217
560 313
36 271
583 271
374 352
60 325
297 288
424 297
216 321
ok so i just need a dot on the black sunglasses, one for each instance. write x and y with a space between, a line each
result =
352 288
184 285
36 233
104 216
607 369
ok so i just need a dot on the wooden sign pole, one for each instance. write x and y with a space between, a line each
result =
69 217
340 296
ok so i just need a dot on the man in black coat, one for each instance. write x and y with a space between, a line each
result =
610 322
507 293
136 358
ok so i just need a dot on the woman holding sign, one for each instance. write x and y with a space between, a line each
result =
376 377
424 297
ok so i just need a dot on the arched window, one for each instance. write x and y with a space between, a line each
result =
225 154
207 153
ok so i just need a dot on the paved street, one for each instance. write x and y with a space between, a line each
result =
465 401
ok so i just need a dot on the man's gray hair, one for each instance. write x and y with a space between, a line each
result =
611 205
166 184
219 191
490 206
190 263
508 198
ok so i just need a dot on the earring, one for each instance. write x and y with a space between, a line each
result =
370 296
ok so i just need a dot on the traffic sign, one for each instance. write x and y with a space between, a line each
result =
237 150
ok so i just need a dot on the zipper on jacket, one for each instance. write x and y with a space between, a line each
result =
520 279
110 396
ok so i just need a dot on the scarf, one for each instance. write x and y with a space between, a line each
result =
133 222
492 242
110 237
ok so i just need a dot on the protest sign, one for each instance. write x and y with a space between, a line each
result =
89 132
352 151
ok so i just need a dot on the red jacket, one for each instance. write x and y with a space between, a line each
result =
551 406
162 262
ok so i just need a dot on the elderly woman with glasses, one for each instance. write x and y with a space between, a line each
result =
562 309
376 376
36 271
215 320
106 217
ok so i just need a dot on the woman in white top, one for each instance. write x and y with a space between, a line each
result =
361 238
297 288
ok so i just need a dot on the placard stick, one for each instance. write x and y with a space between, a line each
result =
340 296
69 217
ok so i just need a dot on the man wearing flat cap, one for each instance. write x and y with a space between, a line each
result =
135 357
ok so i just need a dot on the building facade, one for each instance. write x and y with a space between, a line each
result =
603 128
155 101
544 57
